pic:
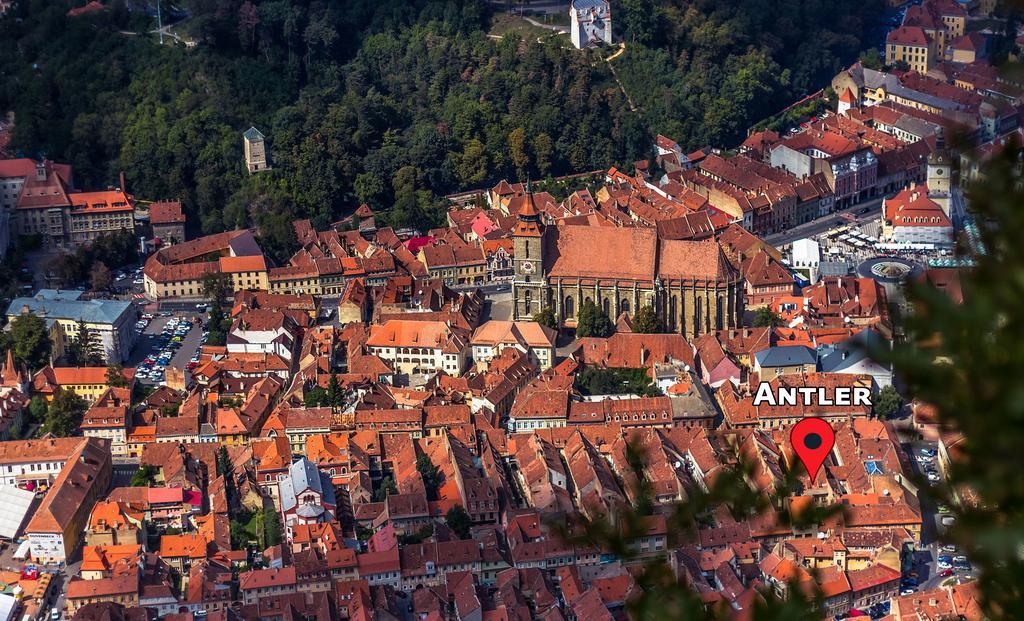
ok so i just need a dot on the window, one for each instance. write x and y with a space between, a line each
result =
569 307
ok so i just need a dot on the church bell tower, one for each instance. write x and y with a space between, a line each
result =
939 183
528 286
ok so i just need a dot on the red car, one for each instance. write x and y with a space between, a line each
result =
946 573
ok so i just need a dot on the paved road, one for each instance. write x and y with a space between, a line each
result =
535 6
819 226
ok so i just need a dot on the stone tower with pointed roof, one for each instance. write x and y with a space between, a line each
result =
939 189
10 375
257 158
846 101
528 284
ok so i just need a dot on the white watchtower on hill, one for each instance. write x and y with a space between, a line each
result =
591 22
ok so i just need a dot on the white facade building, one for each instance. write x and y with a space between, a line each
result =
420 346
807 258
590 23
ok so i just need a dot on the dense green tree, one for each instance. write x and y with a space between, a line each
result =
431 475
543 151
30 340
647 321
315 397
638 20
335 393
216 288
601 381
887 403
592 321
459 521
349 93
387 486
546 317
145 476
223 461
517 151
765 317
115 376
273 532
84 349
871 58
64 414
37 409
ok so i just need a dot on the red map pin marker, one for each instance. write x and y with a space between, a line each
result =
812 440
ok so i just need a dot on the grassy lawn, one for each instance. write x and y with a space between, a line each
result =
503 24
552 19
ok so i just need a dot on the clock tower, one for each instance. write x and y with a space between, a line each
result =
528 285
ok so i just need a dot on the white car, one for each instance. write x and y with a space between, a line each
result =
934 477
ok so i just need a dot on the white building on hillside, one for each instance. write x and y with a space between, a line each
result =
591 22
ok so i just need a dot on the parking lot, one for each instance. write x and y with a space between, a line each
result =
935 563
167 340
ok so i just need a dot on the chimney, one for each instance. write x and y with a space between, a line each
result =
120 178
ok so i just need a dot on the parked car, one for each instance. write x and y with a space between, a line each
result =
945 573
934 477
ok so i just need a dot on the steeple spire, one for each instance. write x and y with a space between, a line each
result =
9 375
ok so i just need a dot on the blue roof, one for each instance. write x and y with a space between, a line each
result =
252 134
304 475
51 304
785 356
874 467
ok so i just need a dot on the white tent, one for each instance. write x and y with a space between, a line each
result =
14 506
7 607
24 548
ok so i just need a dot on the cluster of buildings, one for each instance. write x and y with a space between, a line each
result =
372 440
110 322
366 436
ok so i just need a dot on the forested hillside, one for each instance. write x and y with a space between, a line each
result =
390 102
